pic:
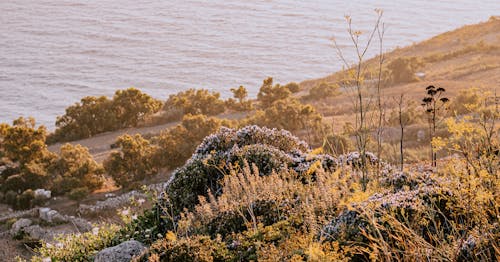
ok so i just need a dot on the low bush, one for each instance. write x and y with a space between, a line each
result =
94 115
322 91
75 168
269 150
287 114
176 145
133 162
268 94
193 101
403 69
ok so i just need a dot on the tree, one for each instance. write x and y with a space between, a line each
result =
268 93
322 91
403 69
75 168
293 87
194 102
176 145
23 144
434 104
131 106
94 115
91 116
287 114
240 94
133 162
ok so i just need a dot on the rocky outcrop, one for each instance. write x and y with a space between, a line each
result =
123 252
19 225
52 216
42 194
24 229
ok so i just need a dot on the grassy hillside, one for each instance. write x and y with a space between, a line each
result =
250 193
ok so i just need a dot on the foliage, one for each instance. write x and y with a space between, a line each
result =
467 101
287 114
130 106
476 139
322 91
192 101
241 103
336 144
94 115
198 248
77 247
23 142
449 215
75 169
293 87
403 69
133 162
268 94
24 147
176 145
267 149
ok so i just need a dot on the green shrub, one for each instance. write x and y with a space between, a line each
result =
293 87
25 200
198 248
94 115
133 162
75 168
336 144
176 145
193 102
78 247
268 94
267 149
322 91
287 114
78 193
403 69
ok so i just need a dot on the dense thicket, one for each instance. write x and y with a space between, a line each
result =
193 101
28 165
94 115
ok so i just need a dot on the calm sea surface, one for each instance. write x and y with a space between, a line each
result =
53 52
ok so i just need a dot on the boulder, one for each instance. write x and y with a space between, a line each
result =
36 232
81 224
51 216
42 194
24 229
123 252
19 225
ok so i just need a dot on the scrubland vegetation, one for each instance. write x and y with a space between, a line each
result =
245 189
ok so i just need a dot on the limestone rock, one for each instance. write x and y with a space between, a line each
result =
43 194
123 252
51 216
19 225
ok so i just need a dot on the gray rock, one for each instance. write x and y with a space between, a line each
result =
123 252
36 232
51 216
19 225
81 224
43 194
43 213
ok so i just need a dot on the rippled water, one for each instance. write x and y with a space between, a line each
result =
53 52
